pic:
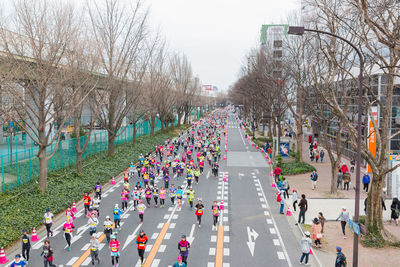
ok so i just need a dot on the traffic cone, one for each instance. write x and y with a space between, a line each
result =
224 179
256 146
226 150
269 162
288 212
311 253
271 174
252 144
74 207
113 180
273 184
3 258
34 235
224 157
221 206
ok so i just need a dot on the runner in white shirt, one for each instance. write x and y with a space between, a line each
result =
48 222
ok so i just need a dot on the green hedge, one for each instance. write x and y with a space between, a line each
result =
296 167
24 207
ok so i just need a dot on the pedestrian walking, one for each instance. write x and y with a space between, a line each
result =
314 179
183 247
141 241
303 206
340 258
94 249
346 181
316 230
322 220
321 155
344 217
339 179
277 173
316 156
306 244
285 187
366 180
26 245
294 198
395 210
282 201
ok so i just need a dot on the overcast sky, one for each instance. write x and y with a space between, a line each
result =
216 34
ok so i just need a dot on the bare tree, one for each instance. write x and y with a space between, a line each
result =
120 32
34 54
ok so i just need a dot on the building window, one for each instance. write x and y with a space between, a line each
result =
278 43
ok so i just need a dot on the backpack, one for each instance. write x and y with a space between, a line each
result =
278 198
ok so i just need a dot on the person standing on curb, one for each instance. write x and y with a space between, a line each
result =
339 181
344 218
314 178
303 206
316 232
340 258
395 208
306 244
285 187
277 173
366 180
321 155
322 220
294 199
282 201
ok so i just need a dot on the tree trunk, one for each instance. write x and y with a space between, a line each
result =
333 177
111 147
162 123
179 118
152 125
43 169
374 207
299 139
79 167
134 133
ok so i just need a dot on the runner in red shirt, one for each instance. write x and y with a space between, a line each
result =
141 241
86 202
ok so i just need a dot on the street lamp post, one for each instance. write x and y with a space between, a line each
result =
300 31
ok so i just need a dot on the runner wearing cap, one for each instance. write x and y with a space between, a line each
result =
114 247
179 263
183 247
26 245
94 249
141 207
17 261
117 216
108 228
48 222
141 241
306 244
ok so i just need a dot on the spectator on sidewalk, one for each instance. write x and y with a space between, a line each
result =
282 202
321 155
344 168
285 187
322 220
311 155
346 180
366 200
352 164
366 180
277 172
316 231
306 244
294 199
395 208
303 206
316 156
340 258
314 178
339 181
344 217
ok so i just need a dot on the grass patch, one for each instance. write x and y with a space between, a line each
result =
296 167
24 206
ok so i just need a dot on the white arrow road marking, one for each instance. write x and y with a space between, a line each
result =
208 175
257 171
131 237
191 237
252 236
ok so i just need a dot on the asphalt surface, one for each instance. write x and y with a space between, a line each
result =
251 230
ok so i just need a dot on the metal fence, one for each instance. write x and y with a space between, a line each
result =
22 165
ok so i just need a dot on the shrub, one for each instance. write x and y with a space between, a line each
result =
296 167
24 206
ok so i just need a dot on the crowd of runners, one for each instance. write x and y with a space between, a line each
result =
183 157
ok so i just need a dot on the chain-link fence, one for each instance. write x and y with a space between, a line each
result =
21 163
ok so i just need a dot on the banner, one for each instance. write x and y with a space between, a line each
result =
371 133
207 87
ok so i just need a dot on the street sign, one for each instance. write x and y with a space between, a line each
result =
354 227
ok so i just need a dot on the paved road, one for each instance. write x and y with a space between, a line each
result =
251 231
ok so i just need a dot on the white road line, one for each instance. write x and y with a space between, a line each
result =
211 251
148 248
167 236
160 225
172 225
87 261
266 213
226 252
281 256
131 237
272 231
155 263
162 248
210 264
244 143
269 221
226 239
264 206
213 238
276 242
154 236
277 231
72 260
